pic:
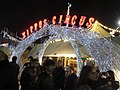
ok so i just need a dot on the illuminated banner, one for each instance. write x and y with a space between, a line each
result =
68 21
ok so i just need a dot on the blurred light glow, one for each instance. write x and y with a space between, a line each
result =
119 22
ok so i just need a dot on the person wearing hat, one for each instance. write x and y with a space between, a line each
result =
7 73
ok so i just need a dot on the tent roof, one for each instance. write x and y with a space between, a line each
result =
56 49
6 50
97 28
64 49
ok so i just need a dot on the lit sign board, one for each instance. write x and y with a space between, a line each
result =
68 20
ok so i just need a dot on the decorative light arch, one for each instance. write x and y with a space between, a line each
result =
104 51
72 42
48 30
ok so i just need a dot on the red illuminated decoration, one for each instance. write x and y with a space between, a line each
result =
82 20
54 20
27 32
91 20
68 20
35 26
31 29
23 35
45 22
73 20
40 24
60 19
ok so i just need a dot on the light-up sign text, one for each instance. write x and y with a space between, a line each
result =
68 20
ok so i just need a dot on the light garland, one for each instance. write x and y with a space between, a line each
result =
105 53
111 31
10 37
74 45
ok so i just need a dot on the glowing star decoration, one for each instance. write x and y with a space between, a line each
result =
82 20
91 20
73 20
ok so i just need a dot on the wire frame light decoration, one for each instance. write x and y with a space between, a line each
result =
105 53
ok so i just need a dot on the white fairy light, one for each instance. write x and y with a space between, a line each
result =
105 53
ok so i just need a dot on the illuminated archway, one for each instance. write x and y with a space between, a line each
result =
72 42
104 52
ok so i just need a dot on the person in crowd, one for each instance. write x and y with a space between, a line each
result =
66 71
7 73
88 78
71 79
16 67
30 58
59 76
111 77
30 75
37 72
46 81
103 82
27 64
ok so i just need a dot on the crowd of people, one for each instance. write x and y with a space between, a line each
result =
52 76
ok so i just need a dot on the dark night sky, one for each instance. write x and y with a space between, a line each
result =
20 14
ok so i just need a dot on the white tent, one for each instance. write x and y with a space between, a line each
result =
97 28
56 49
64 49
6 50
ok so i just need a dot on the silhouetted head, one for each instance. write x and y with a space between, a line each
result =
88 74
48 62
14 58
59 64
30 58
49 66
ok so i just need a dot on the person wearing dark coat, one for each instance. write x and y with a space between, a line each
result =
46 81
71 79
59 76
15 65
7 74
16 68
30 75
88 78
111 77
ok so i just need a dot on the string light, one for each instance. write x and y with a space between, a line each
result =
111 31
104 52
8 36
